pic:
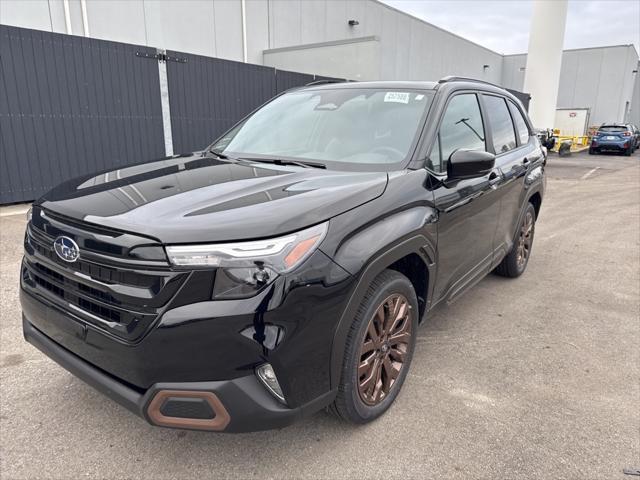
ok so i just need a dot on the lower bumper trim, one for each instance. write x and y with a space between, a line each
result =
156 414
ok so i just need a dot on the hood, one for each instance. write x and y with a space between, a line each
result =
186 199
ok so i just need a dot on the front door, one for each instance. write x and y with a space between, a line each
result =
468 210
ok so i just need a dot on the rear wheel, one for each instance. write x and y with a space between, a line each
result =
379 349
627 152
515 263
592 151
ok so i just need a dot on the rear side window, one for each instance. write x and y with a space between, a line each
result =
504 137
461 127
521 124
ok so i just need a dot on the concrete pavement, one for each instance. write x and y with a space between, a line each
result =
537 377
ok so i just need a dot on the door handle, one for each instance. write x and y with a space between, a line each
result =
526 161
494 178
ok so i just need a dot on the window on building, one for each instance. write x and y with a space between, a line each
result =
504 136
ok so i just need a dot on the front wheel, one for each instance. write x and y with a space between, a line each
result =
515 263
379 349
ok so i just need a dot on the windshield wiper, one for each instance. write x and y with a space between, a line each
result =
220 155
278 161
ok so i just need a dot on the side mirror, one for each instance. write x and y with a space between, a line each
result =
464 164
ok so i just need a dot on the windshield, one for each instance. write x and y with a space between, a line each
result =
348 126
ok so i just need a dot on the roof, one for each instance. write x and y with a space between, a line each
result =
416 85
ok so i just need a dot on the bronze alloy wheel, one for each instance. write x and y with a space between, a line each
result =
384 349
524 240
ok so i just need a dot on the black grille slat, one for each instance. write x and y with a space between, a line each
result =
73 292
99 310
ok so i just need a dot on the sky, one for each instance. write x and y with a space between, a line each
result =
503 25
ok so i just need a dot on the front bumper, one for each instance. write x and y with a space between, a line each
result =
246 403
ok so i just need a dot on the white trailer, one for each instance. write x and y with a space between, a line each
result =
571 122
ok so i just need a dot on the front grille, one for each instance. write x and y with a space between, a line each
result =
67 295
102 273
123 299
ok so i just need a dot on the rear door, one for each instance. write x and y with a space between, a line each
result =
467 210
515 150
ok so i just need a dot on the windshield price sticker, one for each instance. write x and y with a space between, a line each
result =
397 97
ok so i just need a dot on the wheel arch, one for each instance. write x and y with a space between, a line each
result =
400 257
536 200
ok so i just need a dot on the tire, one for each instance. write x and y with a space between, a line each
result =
627 152
361 405
513 265
592 151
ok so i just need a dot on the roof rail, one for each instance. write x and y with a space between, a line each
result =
326 80
453 78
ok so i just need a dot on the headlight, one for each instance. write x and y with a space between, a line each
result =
244 268
280 254
29 214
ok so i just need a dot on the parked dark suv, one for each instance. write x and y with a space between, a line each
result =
287 267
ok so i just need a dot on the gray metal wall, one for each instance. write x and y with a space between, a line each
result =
600 79
70 106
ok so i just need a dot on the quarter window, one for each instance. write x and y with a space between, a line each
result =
504 137
521 124
461 127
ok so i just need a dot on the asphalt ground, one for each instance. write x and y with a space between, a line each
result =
537 377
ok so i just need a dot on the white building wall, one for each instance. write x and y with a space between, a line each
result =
409 48
601 79
513 69
634 111
37 14
598 78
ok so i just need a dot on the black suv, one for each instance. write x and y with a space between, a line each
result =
287 267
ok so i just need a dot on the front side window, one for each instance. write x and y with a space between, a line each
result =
461 127
521 125
364 126
504 137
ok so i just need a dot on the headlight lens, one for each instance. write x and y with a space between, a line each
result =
279 255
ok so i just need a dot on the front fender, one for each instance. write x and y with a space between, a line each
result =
370 251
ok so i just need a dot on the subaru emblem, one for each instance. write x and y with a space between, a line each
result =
66 249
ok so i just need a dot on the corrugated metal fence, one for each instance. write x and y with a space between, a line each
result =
73 105
69 106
